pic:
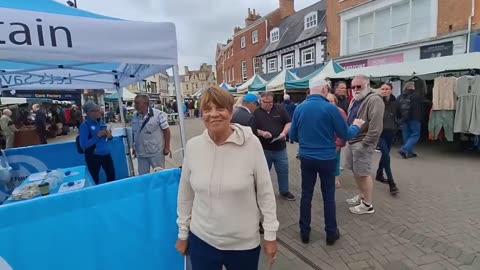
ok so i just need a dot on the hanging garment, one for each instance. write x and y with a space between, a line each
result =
444 93
467 117
441 120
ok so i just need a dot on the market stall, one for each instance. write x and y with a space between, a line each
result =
331 68
450 86
250 84
278 83
81 50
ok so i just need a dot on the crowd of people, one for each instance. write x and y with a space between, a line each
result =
227 168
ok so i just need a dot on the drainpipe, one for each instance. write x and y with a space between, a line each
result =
470 18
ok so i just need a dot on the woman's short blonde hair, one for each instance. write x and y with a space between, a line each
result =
217 96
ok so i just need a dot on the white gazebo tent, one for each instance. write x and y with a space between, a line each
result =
125 94
45 45
330 70
255 80
278 82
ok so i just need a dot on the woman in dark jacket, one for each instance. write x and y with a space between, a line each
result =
390 127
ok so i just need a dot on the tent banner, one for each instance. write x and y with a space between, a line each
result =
28 160
39 36
126 224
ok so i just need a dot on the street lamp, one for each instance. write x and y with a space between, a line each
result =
72 4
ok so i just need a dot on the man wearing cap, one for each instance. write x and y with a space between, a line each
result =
314 125
244 114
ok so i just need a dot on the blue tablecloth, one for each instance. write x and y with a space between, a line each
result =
70 174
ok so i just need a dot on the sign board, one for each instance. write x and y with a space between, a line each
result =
436 50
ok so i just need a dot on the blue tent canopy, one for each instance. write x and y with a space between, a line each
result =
227 87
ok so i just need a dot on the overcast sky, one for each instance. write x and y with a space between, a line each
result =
201 24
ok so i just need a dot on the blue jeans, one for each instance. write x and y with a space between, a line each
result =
385 145
411 135
205 257
325 169
280 160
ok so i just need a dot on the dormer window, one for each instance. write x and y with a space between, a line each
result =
274 35
311 20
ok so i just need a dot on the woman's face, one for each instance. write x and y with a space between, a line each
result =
216 119
385 90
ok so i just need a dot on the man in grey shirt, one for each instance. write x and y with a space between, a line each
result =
151 135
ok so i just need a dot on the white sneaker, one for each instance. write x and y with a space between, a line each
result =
354 201
362 209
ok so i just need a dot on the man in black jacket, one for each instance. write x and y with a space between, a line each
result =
244 114
410 107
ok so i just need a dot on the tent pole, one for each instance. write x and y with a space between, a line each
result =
178 95
126 142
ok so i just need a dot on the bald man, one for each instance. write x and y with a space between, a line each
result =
8 128
314 125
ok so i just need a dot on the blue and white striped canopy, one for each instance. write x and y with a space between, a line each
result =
47 45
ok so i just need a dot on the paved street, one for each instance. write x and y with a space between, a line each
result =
433 223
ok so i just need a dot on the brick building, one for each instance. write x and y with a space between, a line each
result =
297 43
367 33
236 60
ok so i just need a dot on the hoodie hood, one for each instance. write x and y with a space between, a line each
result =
240 135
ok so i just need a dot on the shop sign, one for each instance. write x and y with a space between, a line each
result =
24 94
386 59
436 50
354 64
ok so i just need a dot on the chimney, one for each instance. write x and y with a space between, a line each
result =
250 18
236 30
186 70
287 8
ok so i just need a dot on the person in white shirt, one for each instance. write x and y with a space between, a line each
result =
225 188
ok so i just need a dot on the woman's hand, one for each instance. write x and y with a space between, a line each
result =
182 246
270 248
102 133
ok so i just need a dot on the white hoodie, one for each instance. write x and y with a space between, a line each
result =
224 189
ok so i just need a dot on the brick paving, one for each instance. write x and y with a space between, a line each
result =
433 223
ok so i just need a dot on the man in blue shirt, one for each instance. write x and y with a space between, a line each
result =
93 139
314 126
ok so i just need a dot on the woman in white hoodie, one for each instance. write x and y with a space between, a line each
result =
224 190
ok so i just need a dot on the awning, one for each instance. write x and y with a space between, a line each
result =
126 96
254 81
417 68
330 69
227 87
278 82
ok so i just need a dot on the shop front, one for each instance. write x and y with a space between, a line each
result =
409 52
74 96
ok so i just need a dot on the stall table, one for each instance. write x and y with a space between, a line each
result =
74 174
26 136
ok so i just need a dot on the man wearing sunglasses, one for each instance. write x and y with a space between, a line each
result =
368 106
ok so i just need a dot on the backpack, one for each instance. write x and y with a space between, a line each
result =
89 150
405 105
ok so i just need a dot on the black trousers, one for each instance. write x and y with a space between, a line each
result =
95 162
42 136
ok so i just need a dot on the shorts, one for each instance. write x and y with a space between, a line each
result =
358 158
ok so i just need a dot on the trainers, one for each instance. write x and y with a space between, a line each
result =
288 196
354 201
362 209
